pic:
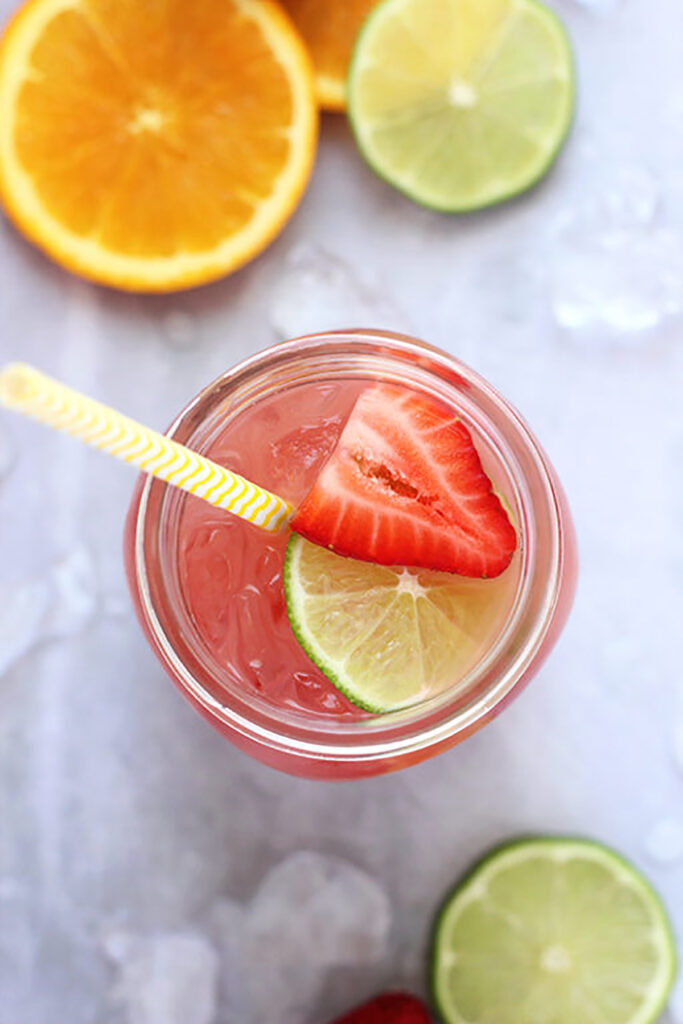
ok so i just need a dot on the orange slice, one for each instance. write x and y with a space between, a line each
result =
329 28
153 146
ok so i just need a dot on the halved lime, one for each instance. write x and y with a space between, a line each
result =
461 103
553 931
389 638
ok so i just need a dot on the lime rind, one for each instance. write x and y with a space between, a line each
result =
421 195
332 669
296 622
472 886
294 611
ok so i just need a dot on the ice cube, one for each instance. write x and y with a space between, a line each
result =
308 445
295 456
169 978
46 607
331 910
317 292
311 913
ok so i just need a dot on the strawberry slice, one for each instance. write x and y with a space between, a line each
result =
393 1008
405 486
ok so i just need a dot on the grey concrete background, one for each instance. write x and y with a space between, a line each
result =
146 871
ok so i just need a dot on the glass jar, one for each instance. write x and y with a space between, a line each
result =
344 749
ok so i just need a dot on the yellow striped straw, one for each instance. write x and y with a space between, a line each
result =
27 391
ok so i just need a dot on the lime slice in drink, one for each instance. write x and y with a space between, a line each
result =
558 931
461 103
388 638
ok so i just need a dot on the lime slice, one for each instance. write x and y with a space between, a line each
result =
558 931
461 103
389 638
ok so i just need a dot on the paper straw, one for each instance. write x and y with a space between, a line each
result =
27 391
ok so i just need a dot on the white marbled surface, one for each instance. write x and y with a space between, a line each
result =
145 866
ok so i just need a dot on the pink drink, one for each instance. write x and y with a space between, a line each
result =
208 587
231 572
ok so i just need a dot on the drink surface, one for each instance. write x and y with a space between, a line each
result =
231 572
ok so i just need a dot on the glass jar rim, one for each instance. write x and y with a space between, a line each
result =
440 720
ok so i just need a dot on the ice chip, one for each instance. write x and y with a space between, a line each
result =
676 1003
665 841
631 197
116 606
227 920
310 914
179 329
113 598
74 581
23 609
47 607
678 745
614 272
226 925
19 940
599 6
117 944
7 453
317 292
170 978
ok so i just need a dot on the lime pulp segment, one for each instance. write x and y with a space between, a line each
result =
461 103
552 931
388 638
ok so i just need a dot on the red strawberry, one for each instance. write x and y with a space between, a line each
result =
405 486
393 1008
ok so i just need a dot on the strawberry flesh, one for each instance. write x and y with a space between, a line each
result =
393 1008
405 486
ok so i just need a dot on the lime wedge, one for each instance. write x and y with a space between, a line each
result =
558 931
389 638
461 103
